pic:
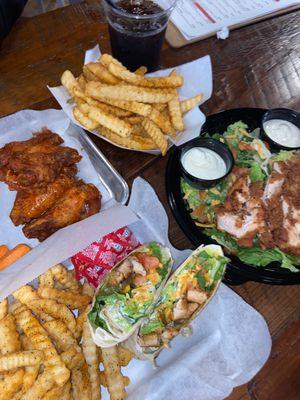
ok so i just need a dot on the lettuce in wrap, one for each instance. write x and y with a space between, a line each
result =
127 293
185 294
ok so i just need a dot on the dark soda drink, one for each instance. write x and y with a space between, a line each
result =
137 29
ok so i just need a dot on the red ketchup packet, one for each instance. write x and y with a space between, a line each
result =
93 262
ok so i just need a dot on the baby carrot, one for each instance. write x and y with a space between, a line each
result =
3 250
13 255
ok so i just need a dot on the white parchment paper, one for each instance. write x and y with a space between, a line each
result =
197 79
230 341
20 126
68 241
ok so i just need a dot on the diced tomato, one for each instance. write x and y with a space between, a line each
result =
234 152
267 144
149 262
140 280
198 211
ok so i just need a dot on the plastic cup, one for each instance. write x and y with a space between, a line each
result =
137 29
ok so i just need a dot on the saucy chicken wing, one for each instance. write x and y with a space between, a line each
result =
33 204
43 137
77 203
34 170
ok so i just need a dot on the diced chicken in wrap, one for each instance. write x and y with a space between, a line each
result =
185 294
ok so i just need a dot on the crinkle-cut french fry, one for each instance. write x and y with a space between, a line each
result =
140 132
117 125
31 372
54 393
131 106
141 71
124 74
3 308
11 384
90 352
175 110
124 355
66 395
73 358
134 142
118 112
103 382
81 389
161 121
129 93
79 325
60 334
105 59
189 104
81 82
112 372
102 73
25 295
40 341
134 120
46 279
160 106
41 386
18 395
9 337
68 80
67 297
55 310
88 289
156 135
65 278
88 74
176 115
21 359
85 121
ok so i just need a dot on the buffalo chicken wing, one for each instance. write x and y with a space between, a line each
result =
77 203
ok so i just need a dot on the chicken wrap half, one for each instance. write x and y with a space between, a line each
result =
185 294
128 293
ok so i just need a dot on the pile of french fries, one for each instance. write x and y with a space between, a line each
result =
46 348
127 108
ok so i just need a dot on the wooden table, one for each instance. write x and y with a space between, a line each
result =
258 66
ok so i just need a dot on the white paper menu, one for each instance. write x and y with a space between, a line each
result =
197 18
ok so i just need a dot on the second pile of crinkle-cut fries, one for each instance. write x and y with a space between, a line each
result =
46 349
128 108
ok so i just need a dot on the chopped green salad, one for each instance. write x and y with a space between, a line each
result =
253 156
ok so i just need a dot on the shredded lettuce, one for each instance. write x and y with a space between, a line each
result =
206 199
191 195
283 155
254 255
256 173
151 326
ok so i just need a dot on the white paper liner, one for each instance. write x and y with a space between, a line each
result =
197 79
230 341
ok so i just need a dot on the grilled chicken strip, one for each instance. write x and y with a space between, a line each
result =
282 207
242 216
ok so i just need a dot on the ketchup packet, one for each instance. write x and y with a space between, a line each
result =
93 262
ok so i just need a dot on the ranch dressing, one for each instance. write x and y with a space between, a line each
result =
204 163
283 132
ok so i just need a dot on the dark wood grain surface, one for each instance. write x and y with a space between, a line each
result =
258 66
